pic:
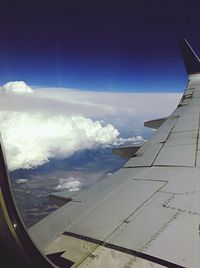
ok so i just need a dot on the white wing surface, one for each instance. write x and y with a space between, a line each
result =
147 214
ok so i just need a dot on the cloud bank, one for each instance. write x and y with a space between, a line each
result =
40 124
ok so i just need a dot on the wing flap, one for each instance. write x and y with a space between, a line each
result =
101 223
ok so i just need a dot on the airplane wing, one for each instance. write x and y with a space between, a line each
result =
147 213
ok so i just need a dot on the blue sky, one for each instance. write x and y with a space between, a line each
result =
129 46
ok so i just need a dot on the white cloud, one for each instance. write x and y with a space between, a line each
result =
88 103
32 139
71 184
21 181
132 140
16 87
54 123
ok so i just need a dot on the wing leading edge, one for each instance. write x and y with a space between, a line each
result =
147 213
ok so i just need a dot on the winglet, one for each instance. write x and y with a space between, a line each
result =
191 60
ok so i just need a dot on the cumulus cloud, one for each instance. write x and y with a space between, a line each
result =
71 184
132 140
16 87
32 139
55 123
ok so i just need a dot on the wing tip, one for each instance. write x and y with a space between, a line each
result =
191 60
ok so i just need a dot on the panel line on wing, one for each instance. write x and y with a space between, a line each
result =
163 144
197 143
160 166
134 215
150 180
